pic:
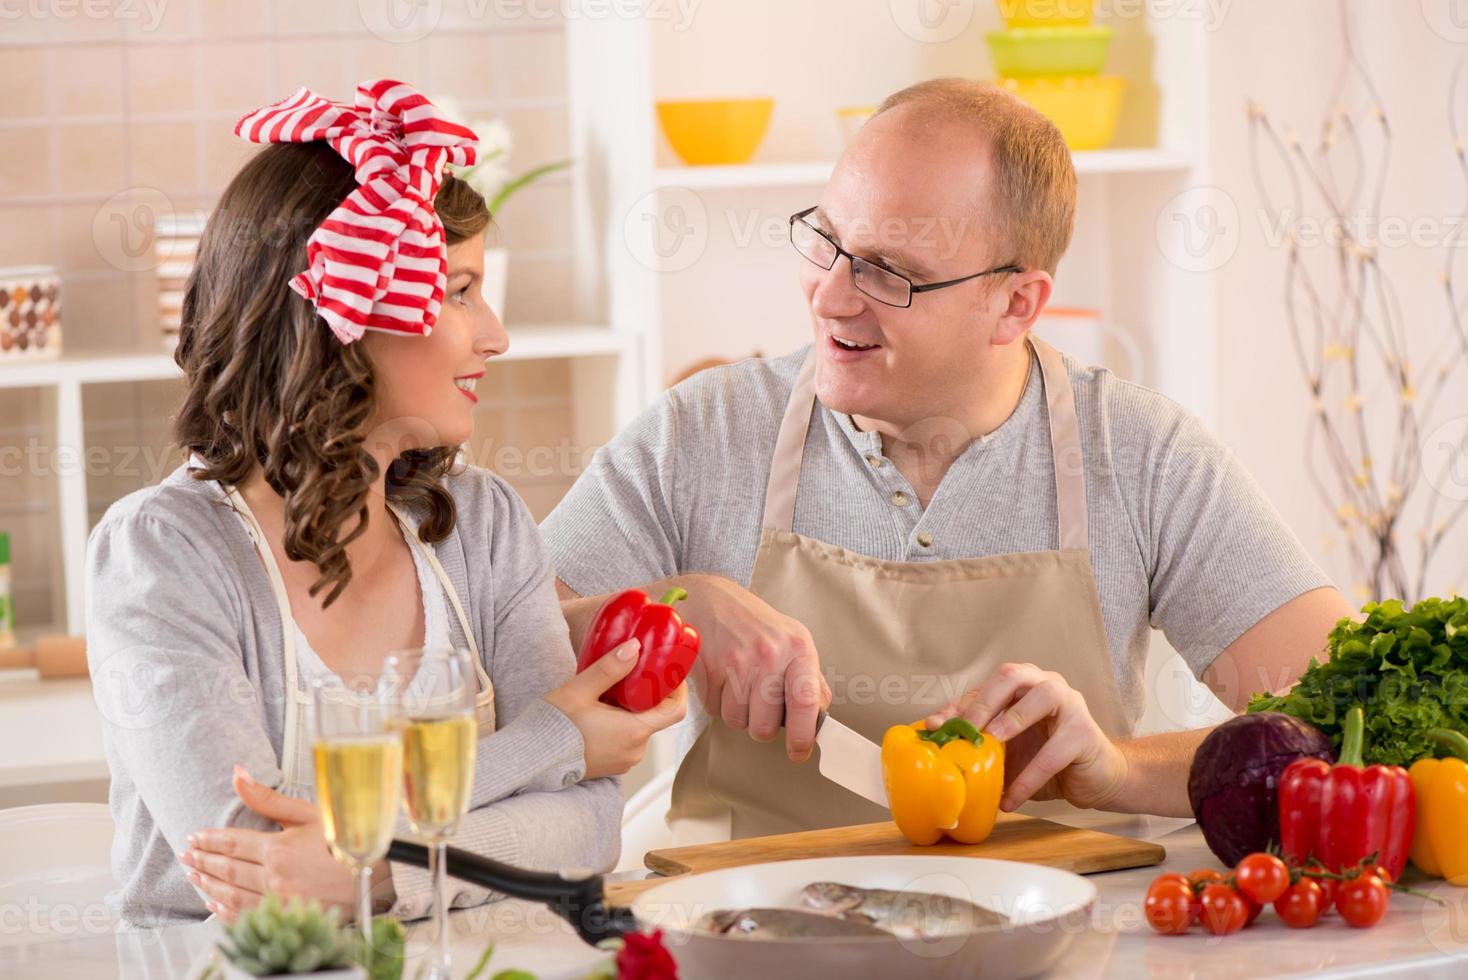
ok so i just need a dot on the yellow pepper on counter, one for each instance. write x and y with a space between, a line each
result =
1440 844
947 781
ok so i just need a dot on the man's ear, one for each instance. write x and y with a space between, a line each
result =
1027 294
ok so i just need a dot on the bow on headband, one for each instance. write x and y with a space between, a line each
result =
377 262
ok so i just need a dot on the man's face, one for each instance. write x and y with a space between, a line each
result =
916 202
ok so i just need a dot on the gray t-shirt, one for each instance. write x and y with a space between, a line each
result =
1181 537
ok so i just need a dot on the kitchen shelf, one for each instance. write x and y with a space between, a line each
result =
814 173
527 343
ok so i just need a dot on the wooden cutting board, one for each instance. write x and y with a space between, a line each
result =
1015 838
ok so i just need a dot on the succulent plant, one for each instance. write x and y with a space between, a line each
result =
295 937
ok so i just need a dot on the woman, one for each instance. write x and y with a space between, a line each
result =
321 523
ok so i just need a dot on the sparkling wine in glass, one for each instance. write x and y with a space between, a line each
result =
358 758
433 710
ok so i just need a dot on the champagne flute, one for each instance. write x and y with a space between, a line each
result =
358 777
433 707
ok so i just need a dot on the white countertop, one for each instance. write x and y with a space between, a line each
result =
62 709
1416 939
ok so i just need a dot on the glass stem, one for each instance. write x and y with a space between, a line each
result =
439 857
364 907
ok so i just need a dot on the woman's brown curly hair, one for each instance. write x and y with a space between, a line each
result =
268 383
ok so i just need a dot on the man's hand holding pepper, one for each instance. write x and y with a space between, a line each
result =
1053 747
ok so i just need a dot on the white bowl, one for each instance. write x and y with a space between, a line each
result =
1048 908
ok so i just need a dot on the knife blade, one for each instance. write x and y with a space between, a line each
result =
850 760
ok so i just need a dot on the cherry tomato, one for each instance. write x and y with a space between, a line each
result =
1254 909
1225 911
1301 904
1327 885
1362 901
1262 878
1171 876
1204 876
1169 906
1380 872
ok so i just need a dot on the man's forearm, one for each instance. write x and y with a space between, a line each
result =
1157 773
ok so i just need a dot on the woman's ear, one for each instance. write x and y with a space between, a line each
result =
1027 294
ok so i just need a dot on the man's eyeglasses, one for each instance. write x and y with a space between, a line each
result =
882 285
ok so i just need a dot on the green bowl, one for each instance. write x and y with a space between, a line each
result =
1021 52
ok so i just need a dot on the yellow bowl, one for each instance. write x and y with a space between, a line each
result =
1083 108
1045 13
715 131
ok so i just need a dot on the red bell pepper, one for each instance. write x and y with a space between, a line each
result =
1345 813
669 646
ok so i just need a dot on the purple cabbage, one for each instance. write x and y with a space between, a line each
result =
1234 782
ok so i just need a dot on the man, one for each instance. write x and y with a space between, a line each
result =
928 513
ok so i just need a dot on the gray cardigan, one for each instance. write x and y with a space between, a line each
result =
184 643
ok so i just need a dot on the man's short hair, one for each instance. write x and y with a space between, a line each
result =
1034 193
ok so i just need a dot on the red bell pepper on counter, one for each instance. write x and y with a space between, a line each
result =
1345 813
669 646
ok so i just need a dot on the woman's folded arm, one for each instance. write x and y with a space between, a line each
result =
575 828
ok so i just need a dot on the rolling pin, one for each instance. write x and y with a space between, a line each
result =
56 655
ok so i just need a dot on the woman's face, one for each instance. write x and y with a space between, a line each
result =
425 385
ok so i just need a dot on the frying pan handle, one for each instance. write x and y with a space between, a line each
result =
580 901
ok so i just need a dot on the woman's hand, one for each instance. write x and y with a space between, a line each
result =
615 739
235 867
1053 747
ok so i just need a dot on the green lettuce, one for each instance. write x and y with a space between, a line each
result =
1407 668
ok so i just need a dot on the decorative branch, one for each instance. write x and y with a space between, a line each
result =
1350 335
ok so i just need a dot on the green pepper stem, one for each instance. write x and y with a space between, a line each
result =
1456 743
673 595
1354 734
953 728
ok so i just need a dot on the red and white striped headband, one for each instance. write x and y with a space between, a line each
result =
377 262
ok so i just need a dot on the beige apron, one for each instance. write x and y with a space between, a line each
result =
295 758
899 639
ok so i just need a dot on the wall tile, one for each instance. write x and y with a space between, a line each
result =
238 77
26 167
160 78
23 76
87 80
91 159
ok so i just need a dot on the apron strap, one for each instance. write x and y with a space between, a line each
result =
486 686
287 619
1065 448
790 449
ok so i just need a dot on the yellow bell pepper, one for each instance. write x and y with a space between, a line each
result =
946 781
1440 844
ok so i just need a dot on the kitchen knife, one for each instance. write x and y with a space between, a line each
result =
850 760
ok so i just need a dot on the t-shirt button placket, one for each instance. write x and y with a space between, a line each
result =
898 498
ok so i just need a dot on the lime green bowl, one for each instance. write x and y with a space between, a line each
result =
1022 52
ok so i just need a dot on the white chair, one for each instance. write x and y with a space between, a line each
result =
55 871
644 820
